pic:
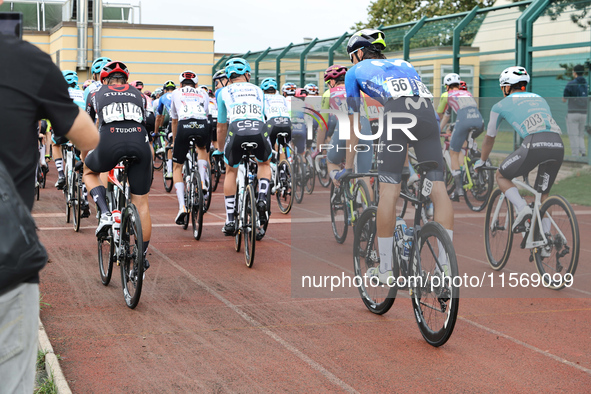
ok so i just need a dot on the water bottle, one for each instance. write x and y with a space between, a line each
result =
116 224
399 231
408 238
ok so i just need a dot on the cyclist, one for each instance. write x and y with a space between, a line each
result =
162 117
334 77
95 69
276 111
289 89
241 105
213 112
530 116
220 80
311 89
298 120
188 111
468 118
121 114
407 101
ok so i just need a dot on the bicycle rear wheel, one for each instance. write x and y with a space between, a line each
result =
249 230
482 186
196 204
167 181
298 179
361 200
435 299
132 264
323 176
68 195
106 254
284 188
188 193
498 237
378 299
237 221
309 173
207 201
560 257
339 216
77 202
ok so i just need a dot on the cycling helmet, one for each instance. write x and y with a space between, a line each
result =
188 74
311 89
512 75
87 83
463 85
269 83
451 79
366 38
147 93
114 67
334 71
220 74
168 84
289 88
158 91
98 64
237 66
301 92
205 87
70 76
139 85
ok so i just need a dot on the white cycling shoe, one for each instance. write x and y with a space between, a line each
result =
386 278
525 213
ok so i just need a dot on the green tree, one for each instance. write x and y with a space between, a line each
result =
392 12
578 17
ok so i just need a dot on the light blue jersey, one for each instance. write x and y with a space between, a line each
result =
165 101
240 101
77 97
276 106
528 113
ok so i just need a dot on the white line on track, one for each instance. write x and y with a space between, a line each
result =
313 364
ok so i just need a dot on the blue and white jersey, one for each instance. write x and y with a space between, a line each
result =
528 113
240 101
93 87
383 79
165 101
276 106
77 97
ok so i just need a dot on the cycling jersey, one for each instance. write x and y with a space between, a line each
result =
164 102
92 88
528 113
213 108
468 117
458 100
77 97
240 101
275 106
442 103
189 103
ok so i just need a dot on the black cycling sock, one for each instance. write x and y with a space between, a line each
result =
263 189
146 243
59 167
230 201
99 195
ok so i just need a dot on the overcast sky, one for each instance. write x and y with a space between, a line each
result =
242 26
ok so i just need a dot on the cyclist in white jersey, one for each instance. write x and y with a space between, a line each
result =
188 111
220 80
276 111
240 104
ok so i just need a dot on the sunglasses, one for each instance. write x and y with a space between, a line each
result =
351 54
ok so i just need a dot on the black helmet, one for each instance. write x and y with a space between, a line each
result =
367 38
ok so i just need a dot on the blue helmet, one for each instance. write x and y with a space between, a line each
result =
98 64
269 83
237 66
70 76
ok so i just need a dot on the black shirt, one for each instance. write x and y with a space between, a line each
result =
31 88
123 104
576 92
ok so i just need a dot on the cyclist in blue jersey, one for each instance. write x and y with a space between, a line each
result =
240 105
162 118
530 116
407 102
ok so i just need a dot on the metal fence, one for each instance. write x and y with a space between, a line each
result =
541 35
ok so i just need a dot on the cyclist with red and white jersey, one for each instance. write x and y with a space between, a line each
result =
189 111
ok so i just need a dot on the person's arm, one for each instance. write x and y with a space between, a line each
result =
565 94
491 133
222 127
353 91
487 146
444 121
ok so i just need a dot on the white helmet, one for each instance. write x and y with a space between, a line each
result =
451 79
512 75
188 75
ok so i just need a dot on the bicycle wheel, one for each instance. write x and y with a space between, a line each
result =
197 208
158 161
106 255
284 188
44 171
216 172
360 200
435 299
309 173
498 237
322 171
237 221
378 299
249 214
188 193
298 179
339 217
132 264
167 181
77 203
482 185
560 257
207 201
68 194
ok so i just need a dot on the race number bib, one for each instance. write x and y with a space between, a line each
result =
191 110
214 113
423 90
117 112
534 123
277 111
427 188
373 112
246 111
399 87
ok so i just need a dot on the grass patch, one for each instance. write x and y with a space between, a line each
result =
42 304
575 188
44 383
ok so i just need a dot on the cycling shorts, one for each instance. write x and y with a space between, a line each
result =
186 129
468 119
246 131
337 152
150 124
278 125
535 149
298 136
121 139
214 129
417 116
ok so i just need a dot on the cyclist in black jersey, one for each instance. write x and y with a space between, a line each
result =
121 119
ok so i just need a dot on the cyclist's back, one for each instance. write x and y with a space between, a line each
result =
276 110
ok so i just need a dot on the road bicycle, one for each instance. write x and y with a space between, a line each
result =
347 202
417 265
159 143
281 178
551 234
123 244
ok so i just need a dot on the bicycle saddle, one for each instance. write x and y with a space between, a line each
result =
249 145
282 135
129 159
426 166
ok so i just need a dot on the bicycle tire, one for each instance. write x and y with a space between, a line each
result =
559 246
44 171
376 299
105 257
429 298
132 264
360 199
237 221
493 236
207 201
158 161
167 181
298 179
216 172
196 204
483 183
249 213
68 202
77 203
284 193
338 204
309 173
323 175
188 193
